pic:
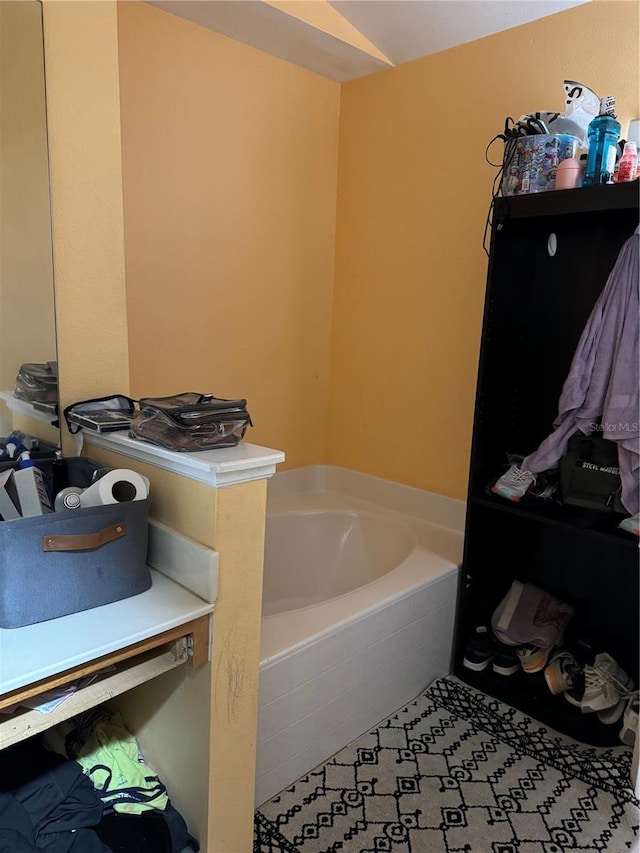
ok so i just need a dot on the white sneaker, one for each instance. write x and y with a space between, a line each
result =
514 484
630 720
605 685
631 524
613 714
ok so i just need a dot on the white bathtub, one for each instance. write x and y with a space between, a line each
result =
360 584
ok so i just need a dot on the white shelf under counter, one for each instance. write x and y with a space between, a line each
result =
223 467
34 653
138 651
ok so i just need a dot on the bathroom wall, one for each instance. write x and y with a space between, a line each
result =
27 330
413 194
229 168
83 117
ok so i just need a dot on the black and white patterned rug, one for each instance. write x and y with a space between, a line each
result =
457 772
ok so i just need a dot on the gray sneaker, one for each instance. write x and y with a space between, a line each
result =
605 685
563 673
513 485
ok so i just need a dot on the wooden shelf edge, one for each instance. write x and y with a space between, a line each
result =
133 672
198 630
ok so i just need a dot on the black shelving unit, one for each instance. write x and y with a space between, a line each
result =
536 307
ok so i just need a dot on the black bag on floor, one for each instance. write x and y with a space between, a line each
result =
590 473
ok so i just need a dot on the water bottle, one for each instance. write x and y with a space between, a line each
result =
603 134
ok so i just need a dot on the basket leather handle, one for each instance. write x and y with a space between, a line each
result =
84 541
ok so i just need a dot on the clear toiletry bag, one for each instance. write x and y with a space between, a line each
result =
191 422
37 383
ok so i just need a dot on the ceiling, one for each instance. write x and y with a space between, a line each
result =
345 39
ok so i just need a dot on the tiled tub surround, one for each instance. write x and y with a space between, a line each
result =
360 587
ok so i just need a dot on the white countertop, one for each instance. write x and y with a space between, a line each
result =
224 467
46 648
14 404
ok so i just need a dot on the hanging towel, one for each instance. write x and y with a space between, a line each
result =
604 379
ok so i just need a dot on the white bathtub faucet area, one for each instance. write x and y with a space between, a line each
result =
360 587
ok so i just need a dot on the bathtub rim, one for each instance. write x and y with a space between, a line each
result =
420 504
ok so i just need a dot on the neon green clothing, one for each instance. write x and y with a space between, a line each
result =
112 760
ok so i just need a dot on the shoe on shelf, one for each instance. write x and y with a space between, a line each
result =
513 484
614 673
630 720
562 673
533 658
631 524
612 715
505 659
606 684
545 485
575 695
478 652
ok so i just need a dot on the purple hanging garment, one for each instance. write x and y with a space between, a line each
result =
603 380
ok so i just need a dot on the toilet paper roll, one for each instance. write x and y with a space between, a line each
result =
118 486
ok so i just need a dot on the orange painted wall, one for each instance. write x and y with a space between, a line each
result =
413 193
229 175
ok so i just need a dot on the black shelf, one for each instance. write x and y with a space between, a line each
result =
526 691
562 202
536 306
581 521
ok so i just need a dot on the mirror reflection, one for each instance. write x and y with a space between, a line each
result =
27 319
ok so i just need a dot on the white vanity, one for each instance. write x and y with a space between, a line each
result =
179 662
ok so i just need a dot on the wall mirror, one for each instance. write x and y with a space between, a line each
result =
27 316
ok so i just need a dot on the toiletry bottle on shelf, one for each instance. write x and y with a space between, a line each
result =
58 474
14 444
603 134
628 163
32 488
568 174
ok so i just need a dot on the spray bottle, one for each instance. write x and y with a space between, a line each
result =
32 488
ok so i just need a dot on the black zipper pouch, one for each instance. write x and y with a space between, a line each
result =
101 414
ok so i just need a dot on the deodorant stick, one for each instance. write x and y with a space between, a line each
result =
68 498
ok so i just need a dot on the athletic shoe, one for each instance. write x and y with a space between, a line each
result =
631 524
562 673
630 720
605 684
611 715
533 658
545 486
478 652
505 659
514 484
575 695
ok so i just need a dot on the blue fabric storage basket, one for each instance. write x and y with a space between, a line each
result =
37 584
